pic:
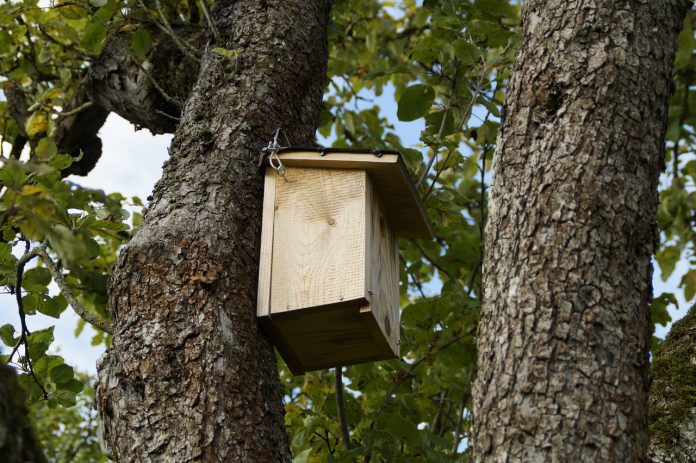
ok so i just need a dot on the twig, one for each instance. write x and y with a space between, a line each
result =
432 260
682 118
415 279
165 27
61 44
72 112
209 18
69 296
441 130
414 365
460 419
21 263
436 420
459 128
341 409
159 88
326 439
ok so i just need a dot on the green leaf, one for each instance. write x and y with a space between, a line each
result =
7 335
68 246
44 304
230 54
72 385
31 389
98 3
467 52
302 457
659 314
434 122
12 174
94 37
402 428
428 50
667 258
39 342
62 374
415 102
689 283
45 55
141 42
36 279
46 149
36 123
63 161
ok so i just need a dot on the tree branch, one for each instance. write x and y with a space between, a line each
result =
68 294
341 410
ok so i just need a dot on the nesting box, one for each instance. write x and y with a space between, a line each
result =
329 271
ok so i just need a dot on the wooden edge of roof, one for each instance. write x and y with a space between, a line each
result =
411 220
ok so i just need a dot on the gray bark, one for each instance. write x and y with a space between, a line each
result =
18 443
189 375
147 92
563 336
672 400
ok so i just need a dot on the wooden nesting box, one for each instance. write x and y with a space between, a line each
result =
329 272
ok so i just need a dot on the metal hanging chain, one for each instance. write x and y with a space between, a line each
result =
273 148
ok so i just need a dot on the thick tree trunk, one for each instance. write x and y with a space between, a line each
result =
673 395
563 337
189 376
18 443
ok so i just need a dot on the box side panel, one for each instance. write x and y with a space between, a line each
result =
263 295
383 282
318 238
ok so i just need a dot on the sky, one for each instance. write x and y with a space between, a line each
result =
131 163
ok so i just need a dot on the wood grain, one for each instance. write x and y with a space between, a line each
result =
319 239
315 340
263 298
382 268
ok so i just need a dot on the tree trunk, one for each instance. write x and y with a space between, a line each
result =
672 397
18 443
189 376
563 337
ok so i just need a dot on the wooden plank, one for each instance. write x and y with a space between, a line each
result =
283 345
383 270
391 179
263 295
319 238
329 338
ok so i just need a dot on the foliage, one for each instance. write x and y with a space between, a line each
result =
44 54
69 434
677 212
445 64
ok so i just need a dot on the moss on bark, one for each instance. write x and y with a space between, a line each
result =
672 403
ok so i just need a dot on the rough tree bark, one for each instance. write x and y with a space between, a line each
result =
563 337
18 443
149 93
189 376
672 397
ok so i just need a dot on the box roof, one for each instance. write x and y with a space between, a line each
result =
389 176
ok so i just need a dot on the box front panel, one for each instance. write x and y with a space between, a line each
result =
318 238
